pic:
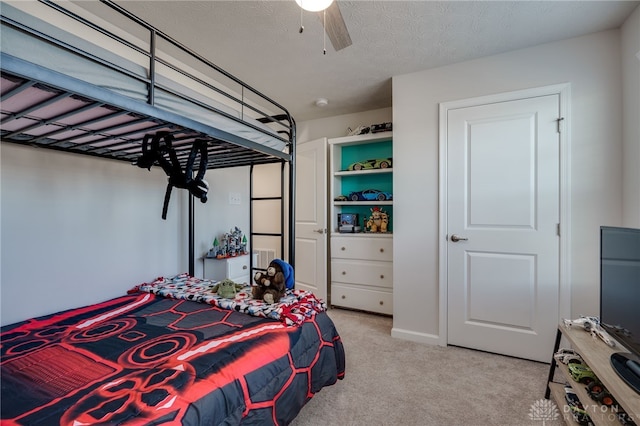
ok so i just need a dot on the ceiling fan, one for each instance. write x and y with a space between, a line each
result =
331 17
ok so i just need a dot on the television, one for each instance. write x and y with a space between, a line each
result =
620 298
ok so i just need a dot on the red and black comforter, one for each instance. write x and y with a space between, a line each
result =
144 359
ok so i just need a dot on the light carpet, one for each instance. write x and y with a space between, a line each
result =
390 381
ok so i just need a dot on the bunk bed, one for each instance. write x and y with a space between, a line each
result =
96 81
92 79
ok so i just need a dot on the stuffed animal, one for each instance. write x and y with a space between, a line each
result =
227 288
271 285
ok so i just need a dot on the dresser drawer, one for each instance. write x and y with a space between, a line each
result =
237 266
362 248
360 298
378 274
234 268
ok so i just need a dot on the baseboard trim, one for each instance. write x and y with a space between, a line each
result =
414 336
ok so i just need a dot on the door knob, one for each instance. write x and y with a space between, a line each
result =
455 238
320 231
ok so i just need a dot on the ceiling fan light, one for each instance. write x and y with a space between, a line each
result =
314 5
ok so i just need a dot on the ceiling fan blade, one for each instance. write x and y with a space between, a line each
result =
335 27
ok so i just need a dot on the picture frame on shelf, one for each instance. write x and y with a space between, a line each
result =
348 223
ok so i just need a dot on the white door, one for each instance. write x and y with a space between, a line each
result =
503 209
311 217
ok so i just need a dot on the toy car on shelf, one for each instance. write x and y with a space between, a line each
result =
598 392
576 408
377 163
567 356
341 198
370 195
581 373
382 127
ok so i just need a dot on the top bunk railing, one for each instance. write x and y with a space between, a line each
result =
164 72
155 33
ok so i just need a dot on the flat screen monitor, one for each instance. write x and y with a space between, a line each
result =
620 297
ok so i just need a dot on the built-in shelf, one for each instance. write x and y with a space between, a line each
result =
363 203
361 267
363 172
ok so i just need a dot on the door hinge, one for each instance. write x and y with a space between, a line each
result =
558 120
558 229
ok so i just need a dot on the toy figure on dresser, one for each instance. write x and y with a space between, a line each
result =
271 286
234 243
378 221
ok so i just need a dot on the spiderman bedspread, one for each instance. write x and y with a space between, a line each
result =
144 359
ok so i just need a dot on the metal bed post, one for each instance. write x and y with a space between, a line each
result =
282 209
251 247
151 97
192 260
292 193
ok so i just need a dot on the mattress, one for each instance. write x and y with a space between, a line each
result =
93 56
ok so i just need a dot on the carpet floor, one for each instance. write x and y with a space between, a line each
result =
391 381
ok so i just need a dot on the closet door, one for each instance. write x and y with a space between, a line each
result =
503 214
311 217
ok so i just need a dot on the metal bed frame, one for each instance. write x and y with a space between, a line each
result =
119 123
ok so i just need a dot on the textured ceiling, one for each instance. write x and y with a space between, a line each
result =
259 42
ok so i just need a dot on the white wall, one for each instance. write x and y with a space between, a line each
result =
77 230
217 216
631 121
592 65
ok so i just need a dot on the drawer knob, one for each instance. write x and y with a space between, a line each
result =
381 302
381 250
344 297
344 272
343 248
244 266
382 277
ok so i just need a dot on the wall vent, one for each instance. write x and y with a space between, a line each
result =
265 256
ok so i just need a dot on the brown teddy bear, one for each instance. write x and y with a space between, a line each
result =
269 286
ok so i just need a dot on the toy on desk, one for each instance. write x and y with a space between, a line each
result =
592 325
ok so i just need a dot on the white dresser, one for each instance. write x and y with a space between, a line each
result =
362 272
234 268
